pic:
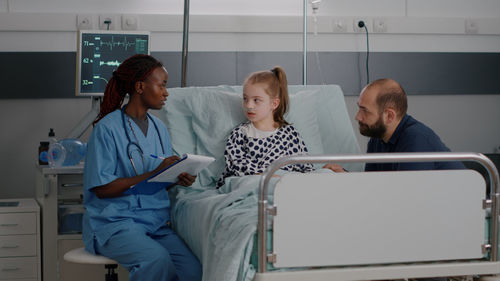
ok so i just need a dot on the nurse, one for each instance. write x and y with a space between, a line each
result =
133 229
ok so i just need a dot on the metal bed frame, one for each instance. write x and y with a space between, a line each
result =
485 267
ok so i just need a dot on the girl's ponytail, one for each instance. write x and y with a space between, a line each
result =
282 109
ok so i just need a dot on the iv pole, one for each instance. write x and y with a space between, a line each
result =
304 59
185 39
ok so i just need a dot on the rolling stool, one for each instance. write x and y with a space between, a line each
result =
79 255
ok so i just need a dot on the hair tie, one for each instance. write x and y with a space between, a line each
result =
275 72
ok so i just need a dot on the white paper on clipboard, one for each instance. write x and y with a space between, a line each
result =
189 163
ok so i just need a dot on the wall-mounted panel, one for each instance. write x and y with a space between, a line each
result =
33 75
363 8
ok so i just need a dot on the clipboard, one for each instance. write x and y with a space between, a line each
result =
189 163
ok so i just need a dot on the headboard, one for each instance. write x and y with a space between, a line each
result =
200 119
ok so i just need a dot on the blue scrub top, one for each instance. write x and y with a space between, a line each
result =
106 160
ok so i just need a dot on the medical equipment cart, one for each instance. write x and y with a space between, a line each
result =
57 190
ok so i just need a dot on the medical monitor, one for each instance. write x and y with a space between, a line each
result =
100 52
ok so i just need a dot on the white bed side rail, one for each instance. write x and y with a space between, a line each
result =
264 211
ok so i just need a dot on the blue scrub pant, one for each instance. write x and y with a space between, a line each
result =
152 257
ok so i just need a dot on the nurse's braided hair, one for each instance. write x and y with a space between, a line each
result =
276 86
134 69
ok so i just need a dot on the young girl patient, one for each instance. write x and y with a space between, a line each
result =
253 145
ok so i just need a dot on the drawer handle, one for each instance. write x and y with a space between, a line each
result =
9 224
72 185
10 268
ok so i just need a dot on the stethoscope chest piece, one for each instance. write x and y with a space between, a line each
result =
134 145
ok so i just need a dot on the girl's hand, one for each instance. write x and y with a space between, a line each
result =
186 179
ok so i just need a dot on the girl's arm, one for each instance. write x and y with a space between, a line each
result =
235 158
302 149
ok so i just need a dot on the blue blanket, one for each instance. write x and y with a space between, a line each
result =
219 226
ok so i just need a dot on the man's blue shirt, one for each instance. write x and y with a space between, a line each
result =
410 136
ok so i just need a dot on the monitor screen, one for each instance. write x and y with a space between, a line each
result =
100 52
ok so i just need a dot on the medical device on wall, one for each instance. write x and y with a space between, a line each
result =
315 8
100 52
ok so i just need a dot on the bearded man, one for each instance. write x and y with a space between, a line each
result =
382 117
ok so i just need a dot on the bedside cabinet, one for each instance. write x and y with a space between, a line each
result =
59 192
20 240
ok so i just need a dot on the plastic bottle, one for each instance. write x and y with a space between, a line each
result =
42 153
52 136
43 148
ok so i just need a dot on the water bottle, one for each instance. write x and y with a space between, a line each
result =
42 152
66 152
43 148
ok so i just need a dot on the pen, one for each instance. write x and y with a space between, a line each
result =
157 157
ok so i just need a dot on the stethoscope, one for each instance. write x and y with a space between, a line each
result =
131 143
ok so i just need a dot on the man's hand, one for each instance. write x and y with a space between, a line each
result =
335 167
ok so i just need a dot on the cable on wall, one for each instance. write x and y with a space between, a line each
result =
362 24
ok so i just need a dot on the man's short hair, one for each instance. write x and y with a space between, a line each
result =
391 94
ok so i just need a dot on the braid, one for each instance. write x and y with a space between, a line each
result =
134 69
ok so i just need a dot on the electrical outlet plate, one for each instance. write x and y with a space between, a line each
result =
104 18
358 29
339 26
379 25
130 22
471 26
84 22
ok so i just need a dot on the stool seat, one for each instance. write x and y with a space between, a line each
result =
79 255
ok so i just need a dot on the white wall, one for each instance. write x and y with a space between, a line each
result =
419 8
465 123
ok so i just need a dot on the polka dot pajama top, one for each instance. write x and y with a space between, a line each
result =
245 155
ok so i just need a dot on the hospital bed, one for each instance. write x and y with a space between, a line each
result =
322 225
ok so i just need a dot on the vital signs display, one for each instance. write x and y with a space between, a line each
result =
99 53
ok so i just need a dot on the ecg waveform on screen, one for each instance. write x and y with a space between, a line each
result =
117 44
109 63
101 54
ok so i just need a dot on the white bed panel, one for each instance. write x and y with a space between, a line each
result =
376 218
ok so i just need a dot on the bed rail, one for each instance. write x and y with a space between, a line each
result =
264 210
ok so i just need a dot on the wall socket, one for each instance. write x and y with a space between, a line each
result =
84 22
471 26
130 22
358 29
379 25
339 26
103 19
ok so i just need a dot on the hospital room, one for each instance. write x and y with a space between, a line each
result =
228 140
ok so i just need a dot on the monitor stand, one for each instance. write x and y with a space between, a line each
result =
87 120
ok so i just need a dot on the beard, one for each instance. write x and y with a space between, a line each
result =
376 130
